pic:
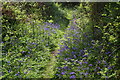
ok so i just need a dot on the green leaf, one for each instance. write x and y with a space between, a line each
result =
104 14
6 38
112 38
50 21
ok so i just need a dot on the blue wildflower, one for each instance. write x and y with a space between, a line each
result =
73 76
105 65
109 43
65 67
59 67
2 42
80 63
85 73
33 43
107 52
98 67
20 60
17 74
46 29
57 74
84 59
74 56
25 72
81 51
81 72
104 62
84 55
109 67
9 71
98 61
91 46
86 62
98 73
66 47
58 53
78 67
72 72
73 52
74 48
23 52
63 73
8 61
90 64
28 52
66 59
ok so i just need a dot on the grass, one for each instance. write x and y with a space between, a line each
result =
50 71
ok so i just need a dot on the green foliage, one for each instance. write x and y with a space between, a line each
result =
26 45
88 47
95 58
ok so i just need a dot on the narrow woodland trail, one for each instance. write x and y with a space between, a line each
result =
50 71
50 67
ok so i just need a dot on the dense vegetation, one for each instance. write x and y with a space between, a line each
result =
60 40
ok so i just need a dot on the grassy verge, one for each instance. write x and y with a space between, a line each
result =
50 71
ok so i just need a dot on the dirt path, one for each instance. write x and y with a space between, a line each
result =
49 72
